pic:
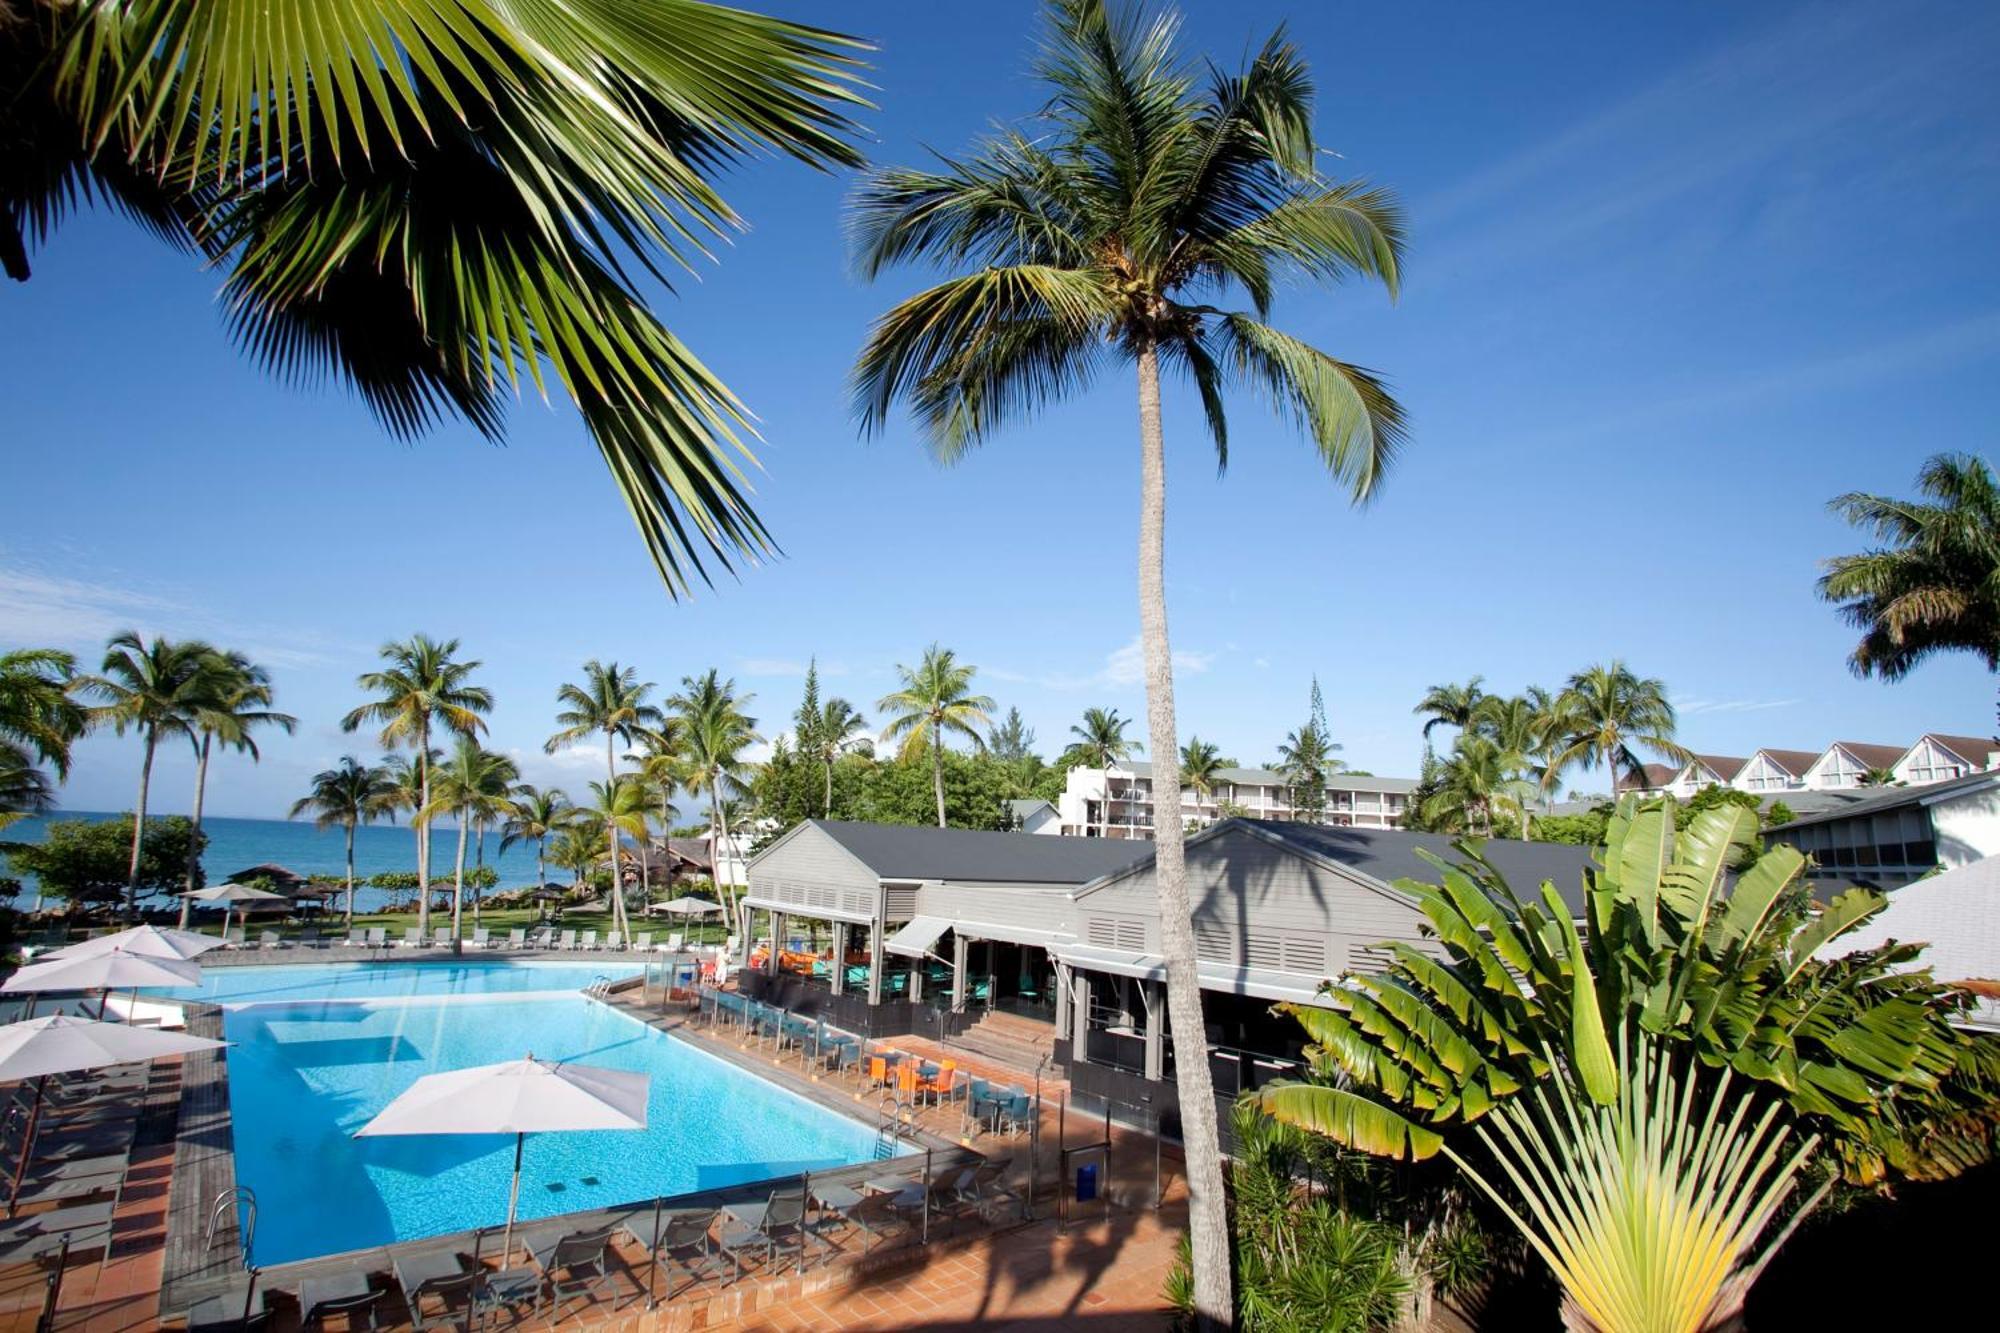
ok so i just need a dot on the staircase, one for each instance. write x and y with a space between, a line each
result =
1008 1039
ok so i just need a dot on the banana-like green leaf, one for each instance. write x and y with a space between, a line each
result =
1642 860
1590 1047
1757 891
1349 1120
1713 842
1838 917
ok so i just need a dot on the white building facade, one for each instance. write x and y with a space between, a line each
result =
1841 766
1119 802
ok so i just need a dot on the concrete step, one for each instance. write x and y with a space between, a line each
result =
1009 1040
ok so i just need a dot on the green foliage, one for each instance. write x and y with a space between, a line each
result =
85 861
403 881
1580 830
1861 1052
976 789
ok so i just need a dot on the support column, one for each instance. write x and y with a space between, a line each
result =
839 974
777 935
961 948
916 991
875 962
1064 980
1080 1029
1155 1002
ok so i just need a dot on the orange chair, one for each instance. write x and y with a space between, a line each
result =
878 1070
939 1087
907 1079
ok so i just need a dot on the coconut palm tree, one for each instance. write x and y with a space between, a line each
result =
39 718
839 728
1603 712
664 767
612 702
1477 781
241 704
621 807
579 848
347 795
1100 741
1933 586
568 147
1449 705
536 814
1200 763
473 786
936 699
157 689
1305 758
714 733
421 691
1521 728
1104 234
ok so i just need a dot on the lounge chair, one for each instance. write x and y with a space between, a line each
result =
767 1225
983 1190
568 941
357 938
270 939
673 944
576 1264
413 938
441 938
343 1296
683 1243
233 939
876 1217
439 1275
378 937
517 938
588 944
642 942
614 941
310 938
482 938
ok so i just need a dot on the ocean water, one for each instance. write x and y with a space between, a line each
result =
238 844
305 1075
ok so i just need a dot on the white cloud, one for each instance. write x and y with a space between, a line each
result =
40 607
1709 707
1125 665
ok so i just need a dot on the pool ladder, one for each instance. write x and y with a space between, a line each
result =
225 1203
898 1121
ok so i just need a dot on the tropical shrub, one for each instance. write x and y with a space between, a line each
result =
86 860
1719 977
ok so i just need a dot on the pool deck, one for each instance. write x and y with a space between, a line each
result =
1103 1270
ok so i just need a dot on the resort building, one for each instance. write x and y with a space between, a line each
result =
1841 766
936 929
1956 914
1033 816
1118 802
1899 834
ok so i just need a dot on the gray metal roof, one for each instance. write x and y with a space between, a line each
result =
1391 854
901 851
1895 798
1264 777
1024 806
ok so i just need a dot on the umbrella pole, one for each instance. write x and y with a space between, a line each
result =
513 1203
27 1145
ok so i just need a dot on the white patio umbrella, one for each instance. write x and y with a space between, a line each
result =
145 941
685 906
518 1097
59 1044
230 896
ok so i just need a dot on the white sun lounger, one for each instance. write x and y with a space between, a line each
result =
413 938
588 943
357 938
378 937
642 942
441 938
568 940
615 941
517 938
482 938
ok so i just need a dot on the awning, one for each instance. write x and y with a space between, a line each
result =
915 939
1007 934
1262 983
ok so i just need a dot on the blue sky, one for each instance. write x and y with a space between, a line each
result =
1678 273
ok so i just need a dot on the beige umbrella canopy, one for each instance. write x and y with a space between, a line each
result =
519 1097
145 941
60 1044
231 895
685 906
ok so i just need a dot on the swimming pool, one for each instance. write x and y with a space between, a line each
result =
304 1074
262 984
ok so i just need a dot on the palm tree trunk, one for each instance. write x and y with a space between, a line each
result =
937 769
1208 1221
200 789
423 830
542 863
617 880
721 849
458 883
139 828
829 788
350 873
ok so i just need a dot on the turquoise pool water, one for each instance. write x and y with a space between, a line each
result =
303 1075
258 984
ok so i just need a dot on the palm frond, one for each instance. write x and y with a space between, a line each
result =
1349 414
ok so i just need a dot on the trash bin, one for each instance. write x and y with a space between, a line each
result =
1086 1183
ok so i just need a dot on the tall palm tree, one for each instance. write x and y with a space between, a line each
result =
423 690
1476 782
621 807
240 705
567 146
39 718
1522 728
1100 741
1200 763
664 766
714 733
1102 235
612 702
406 795
348 795
936 699
156 688
1305 758
1449 705
839 729
1603 712
536 815
474 786
578 848
1933 586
